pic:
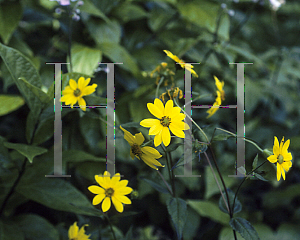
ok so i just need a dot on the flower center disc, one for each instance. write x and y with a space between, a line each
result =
77 92
135 149
165 121
280 159
109 192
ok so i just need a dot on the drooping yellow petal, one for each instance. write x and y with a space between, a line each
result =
278 171
139 138
151 151
82 104
73 231
128 136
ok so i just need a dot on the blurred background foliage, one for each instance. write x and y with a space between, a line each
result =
213 33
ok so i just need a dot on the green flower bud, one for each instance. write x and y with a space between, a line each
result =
267 153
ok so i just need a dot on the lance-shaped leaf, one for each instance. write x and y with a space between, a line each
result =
243 227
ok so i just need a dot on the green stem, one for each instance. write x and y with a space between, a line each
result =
169 165
244 181
110 225
165 182
158 86
70 37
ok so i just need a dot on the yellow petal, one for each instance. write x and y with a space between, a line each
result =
287 156
139 138
272 158
169 108
282 172
98 199
73 84
176 131
278 171
121 184
123 199
83 83
96 189
151 151
149 122
281 145
155 129
115 179
106 204
128 136
73 231
118 205
158 103
154 110
124 190
286 146
152 162
166 137
175 112
67 90
158 139
286 166
89 90
82 104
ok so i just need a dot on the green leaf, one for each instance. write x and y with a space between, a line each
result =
254 164
90 8
155 185
244 227
20 67
26 150
177 209
78 156
34 227
237 205
224 27
258 176
209 210
9 231
222 137
10 15
10 103
130 124
201 13
85 59
57 194
128 11
119 54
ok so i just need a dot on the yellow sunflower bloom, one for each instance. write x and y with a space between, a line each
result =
282 157
147 154
220 86
215 107
74 92
75 233
169 118
111 189
182 63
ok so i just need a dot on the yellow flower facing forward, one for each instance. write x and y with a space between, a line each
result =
282 157
169 118
220 86
111 189
215 106
74 92
182 63
147 154
75 233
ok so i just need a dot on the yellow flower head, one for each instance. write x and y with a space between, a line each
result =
220 86
282 157
147 154
74 92
169 118
75 233
216 105
111 189
182 63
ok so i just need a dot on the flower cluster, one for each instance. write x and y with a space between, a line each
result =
75 233
172 93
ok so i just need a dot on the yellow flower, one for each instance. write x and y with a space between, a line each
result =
147 154
169 118
74 92
282 157
182 63
75 233
112 189
215 107
220 86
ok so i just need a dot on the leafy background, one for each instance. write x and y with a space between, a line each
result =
135 33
